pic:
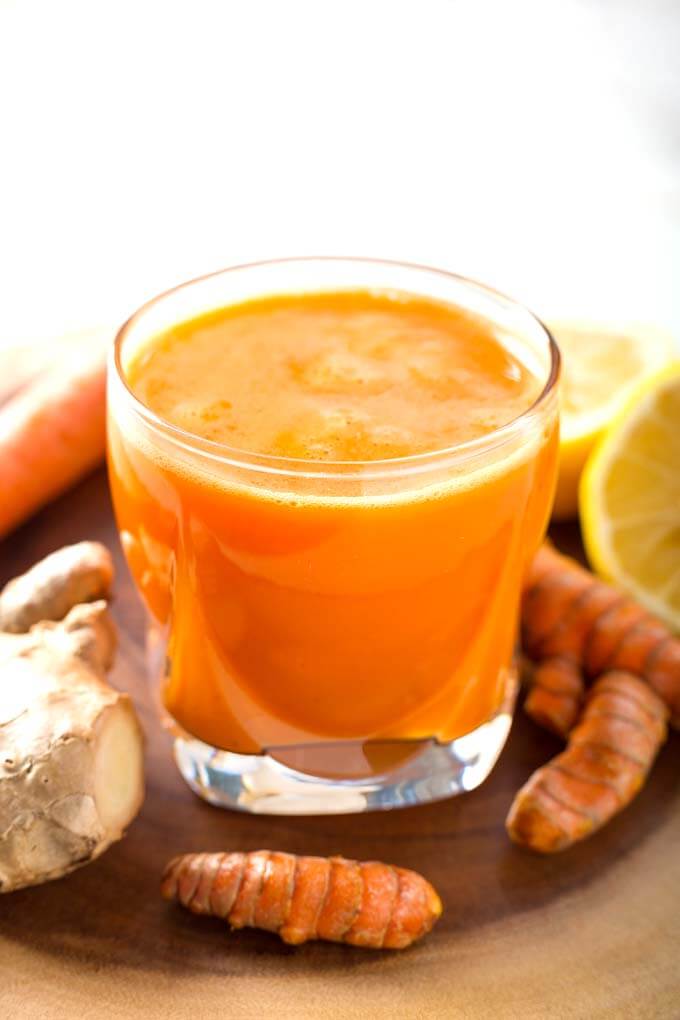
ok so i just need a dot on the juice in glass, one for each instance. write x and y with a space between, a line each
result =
329 476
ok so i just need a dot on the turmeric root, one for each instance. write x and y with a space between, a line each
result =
70 746
576 626
300 898
556 694
607 759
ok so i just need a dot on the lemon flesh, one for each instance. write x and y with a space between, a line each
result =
601 364
630 498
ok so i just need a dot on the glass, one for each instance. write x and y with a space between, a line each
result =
349 625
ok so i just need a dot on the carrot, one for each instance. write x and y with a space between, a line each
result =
575 626
607 759
51 434
359 903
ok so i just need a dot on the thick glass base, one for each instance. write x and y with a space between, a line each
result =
268 784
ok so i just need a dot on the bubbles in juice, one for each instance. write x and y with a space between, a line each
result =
348 376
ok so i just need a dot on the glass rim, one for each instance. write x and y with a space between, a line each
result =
335 469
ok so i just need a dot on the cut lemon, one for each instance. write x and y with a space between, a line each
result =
630 498
601 364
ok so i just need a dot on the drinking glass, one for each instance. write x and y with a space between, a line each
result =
332 636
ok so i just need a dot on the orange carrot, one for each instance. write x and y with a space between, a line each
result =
300 898
607 759
574 623
51 434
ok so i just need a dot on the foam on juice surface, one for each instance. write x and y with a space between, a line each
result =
348 376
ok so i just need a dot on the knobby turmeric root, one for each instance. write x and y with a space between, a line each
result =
71 773
300 898
575 627
556 693
607 759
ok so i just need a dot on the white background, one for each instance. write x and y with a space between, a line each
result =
533 144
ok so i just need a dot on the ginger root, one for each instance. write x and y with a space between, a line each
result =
300 898
606 762
575 627
65 578
71 764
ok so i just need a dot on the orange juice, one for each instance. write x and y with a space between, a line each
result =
341 560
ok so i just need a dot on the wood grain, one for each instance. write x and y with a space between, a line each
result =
592 933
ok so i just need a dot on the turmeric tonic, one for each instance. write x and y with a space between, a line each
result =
299 614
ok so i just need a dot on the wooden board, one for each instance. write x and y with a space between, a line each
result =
592 933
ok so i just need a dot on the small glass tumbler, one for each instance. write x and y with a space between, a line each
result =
332 636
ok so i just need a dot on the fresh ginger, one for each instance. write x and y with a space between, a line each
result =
300 898
575 627
71 769
607 758
65 578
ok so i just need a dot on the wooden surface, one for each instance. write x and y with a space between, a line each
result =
592 933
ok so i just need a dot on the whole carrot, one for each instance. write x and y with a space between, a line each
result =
301 898
606 761
51 434
575 626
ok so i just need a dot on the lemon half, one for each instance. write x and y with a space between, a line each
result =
630 497
601 364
